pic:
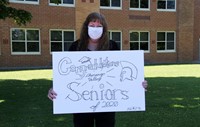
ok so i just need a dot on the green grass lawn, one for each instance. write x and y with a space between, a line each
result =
172 99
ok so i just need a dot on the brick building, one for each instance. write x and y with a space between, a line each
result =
167 30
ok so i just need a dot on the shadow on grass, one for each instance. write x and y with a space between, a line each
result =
170 102
25 104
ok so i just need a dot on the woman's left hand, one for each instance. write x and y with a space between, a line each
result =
145 85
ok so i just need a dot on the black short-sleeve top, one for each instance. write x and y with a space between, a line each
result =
112 46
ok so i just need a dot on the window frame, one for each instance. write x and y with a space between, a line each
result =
110 36
139 9
139 41
24 2
62 30
26 52
165 41
168 10
62 5
110 7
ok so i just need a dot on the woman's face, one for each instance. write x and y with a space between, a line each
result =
95 30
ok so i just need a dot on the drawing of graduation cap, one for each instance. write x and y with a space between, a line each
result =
84 59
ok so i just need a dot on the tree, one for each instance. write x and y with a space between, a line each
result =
21 17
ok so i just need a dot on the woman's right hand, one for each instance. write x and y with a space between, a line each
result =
51 94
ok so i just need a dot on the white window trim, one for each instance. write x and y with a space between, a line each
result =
62 5
24 2
166 51
111 7
25 53
70 30
168 10
145 51
140 9
120 36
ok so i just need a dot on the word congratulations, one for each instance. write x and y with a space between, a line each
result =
66 66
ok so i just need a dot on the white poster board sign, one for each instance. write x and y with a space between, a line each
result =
100 81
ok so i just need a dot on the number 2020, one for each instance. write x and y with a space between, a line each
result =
109 104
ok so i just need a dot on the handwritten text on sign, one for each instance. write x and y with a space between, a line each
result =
100 81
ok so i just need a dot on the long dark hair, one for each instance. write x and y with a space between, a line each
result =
103 42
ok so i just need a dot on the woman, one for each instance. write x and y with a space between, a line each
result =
93 37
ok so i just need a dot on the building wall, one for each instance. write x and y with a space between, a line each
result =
196 39
83 8
185 30
185 22
152 21
45 17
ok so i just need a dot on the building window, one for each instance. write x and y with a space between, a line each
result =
69 3
111 4
25 41
139 41
25 1
139 4
166 5
166 41
117 37
61 40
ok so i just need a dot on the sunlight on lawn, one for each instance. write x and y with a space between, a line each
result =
188 106
173 70
197 98
149 71
178 106
27 74
60 119
177 99
196 105
1 101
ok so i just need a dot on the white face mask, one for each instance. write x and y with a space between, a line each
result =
95 32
